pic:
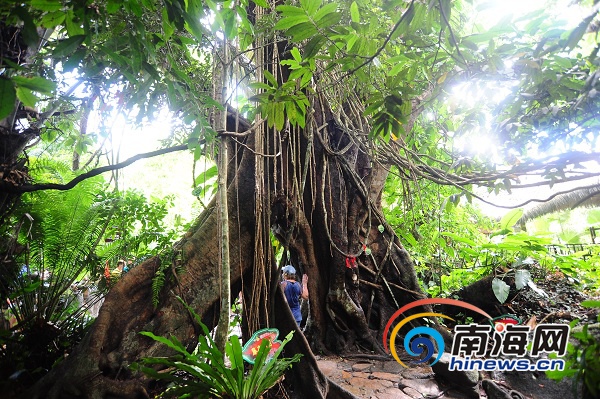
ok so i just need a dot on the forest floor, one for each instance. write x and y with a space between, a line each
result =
387 379
376 377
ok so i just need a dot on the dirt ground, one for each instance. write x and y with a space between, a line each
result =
387 379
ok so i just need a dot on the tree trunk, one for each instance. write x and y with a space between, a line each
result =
359 273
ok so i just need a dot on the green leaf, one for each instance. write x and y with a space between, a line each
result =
522 278
313 46
409 238
262 3
279 115
8 97
52 19
26 96
457 238
352 39
270 78
590 304
501 290
296 54
207 175
311 6
407 18
290 10
302 31
577 33
36 83
46 5
354 14
74 27
230 18
329 19
175 345
68 46
288 22
511 218
192 20
259 85
113 6
327 9
167 27
445 11
134 7
29 30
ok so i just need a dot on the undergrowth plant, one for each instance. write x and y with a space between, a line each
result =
582 361
54 247
463 258
204 372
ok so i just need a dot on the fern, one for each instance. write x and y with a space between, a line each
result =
158 283
170 261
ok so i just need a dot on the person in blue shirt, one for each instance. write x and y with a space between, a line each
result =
293 290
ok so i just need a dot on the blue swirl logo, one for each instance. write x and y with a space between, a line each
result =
422 341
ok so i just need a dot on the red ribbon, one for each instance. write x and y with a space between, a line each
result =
351 262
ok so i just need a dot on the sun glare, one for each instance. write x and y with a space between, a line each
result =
492 12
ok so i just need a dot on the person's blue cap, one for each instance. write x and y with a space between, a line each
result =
289 269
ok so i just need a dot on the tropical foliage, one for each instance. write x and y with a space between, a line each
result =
204 373
60 245
583 358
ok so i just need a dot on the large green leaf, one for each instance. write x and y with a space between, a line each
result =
29 29
47 5
511 218
311 6
501 289
354 14
288 22
36 83
302 31
68 46
26 97
8 97
591 304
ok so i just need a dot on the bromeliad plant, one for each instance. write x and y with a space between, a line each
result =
204 373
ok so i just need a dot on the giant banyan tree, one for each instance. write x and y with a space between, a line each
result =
316 186
323 203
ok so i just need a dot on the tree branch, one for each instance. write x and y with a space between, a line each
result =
27 188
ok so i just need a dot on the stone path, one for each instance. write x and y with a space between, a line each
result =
377 379
387 379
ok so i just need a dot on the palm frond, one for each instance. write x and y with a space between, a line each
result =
585 197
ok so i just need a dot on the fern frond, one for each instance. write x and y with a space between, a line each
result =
158 283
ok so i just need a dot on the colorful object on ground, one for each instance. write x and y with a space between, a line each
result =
499 323
422 345
250 349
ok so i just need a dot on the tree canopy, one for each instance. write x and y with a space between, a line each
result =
397 60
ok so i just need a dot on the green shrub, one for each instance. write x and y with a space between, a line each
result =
204 373
582 361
